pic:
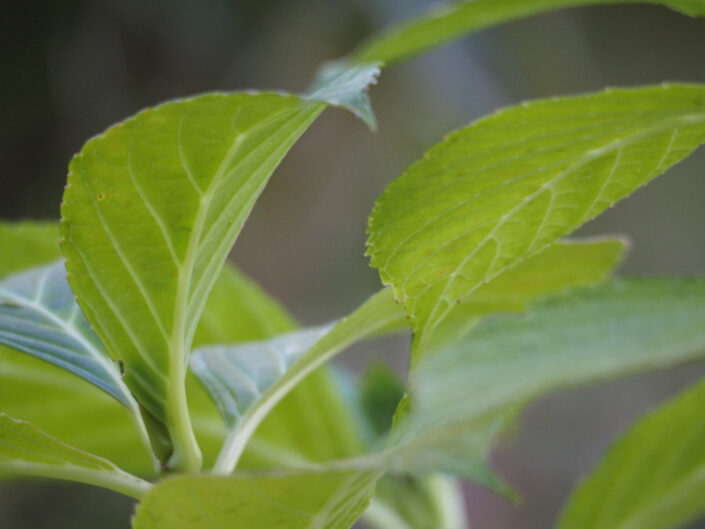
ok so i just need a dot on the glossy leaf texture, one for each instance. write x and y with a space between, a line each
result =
652 477
28 451
248 380
510 184
39 316
587 335
455 20
151 209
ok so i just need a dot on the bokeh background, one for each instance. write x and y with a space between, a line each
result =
72 68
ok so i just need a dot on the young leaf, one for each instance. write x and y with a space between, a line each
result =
27 451
653 477
590 334
345 85
313 500
453 21
39 316
510 184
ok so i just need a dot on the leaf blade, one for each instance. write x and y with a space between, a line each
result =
648 478
508 185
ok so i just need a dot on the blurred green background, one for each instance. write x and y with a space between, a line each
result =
72 68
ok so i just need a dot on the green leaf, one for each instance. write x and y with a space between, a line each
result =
508 185
151 209
39 316
28 451
653 477
587 335
314 500
453 21
32 243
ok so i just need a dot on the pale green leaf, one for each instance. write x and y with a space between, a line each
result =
510 184
580 337
28 451
455 20
39 316
313 500
652 477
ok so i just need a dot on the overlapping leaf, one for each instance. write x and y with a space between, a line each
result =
28 451
653 477
245 382
28 244
506 186
453 21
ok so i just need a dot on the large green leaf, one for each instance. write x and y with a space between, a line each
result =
590 334
506 186
248 380
453 21
28 451
151 209
314 500
653 477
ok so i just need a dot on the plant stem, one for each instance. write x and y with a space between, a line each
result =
115 480
379 515
187 455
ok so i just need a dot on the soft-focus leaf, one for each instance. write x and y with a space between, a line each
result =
324 500
453 21
510 184
591 334
653 477
39 316
28 451
27 244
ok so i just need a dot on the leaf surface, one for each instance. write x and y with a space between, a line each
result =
510 184
652 477
453 21
323 500
28 451
32 243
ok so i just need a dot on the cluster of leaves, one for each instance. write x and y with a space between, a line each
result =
190 366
